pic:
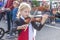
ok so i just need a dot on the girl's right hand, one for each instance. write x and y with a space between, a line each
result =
24 27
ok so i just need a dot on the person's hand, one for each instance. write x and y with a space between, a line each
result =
22 27
8 9
38 19
2 8
25 27
44 18
52 17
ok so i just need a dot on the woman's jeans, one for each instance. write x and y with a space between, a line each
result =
8 13
10 23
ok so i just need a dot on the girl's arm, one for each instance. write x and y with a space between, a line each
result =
44 17
18 23
22 27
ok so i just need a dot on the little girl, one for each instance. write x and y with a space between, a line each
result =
26 31
23 12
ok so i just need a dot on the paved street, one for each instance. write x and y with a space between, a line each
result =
46 33
49 33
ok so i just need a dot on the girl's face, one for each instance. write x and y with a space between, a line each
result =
25 12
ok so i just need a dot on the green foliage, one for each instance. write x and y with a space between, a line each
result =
35 2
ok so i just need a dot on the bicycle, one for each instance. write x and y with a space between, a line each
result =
2 32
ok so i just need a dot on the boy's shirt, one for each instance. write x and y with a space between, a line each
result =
14 13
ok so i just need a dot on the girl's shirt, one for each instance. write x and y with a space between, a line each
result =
31 32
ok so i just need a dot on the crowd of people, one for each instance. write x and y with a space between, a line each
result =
17 17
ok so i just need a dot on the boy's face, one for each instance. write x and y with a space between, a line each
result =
25 12
15 4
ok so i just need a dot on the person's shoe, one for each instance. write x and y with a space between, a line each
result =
10 36
14 35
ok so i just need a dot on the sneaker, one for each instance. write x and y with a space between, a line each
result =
9 37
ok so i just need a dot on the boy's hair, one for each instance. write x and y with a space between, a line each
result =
22 6
16 2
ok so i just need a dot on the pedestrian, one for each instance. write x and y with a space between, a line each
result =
9 7
13 14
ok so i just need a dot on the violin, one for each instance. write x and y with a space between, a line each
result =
34 19
27 20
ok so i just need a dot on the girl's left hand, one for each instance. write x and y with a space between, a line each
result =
44 18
